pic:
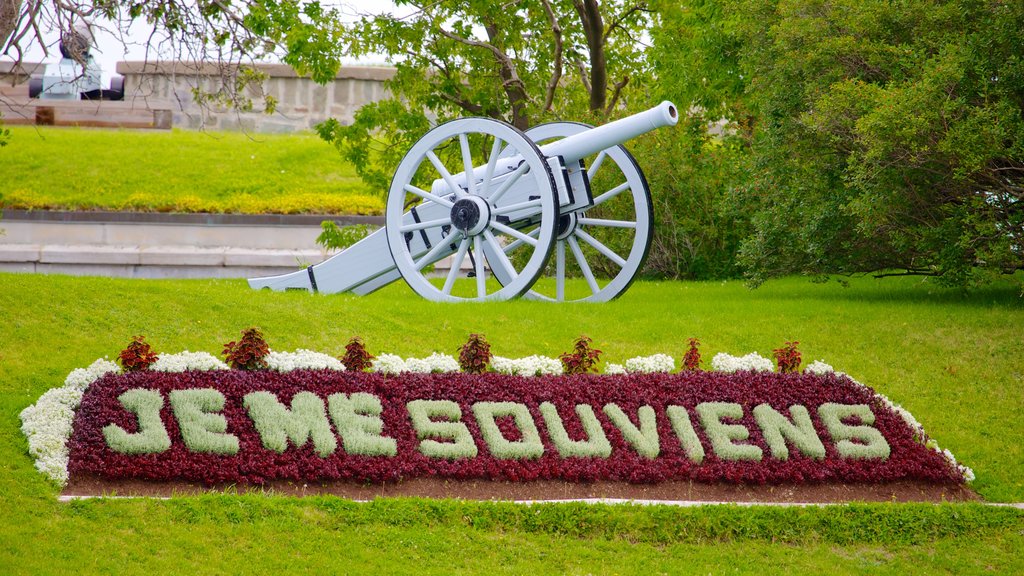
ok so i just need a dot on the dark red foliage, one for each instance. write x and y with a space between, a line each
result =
582 359
475 354
255 464
139 355
691 362
356 357
788 357
249 353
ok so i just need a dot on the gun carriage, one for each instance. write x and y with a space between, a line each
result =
518 205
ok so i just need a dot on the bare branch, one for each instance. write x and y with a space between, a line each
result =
617 22
616 91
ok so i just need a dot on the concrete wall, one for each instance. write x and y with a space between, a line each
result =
301 103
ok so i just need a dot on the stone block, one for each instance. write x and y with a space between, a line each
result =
181 256
19 253
89 254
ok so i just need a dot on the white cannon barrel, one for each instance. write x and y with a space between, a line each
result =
575 148
600 138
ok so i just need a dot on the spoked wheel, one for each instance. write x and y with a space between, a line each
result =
607 243
509 203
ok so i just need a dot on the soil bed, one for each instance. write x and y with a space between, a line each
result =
902 491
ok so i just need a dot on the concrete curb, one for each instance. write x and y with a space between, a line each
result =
611 501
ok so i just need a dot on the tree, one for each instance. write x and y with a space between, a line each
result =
883 137
232 35
524 62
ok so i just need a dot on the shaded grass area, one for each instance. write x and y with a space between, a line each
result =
178 171
956 362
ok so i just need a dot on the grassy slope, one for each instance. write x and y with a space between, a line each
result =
178 171
956 362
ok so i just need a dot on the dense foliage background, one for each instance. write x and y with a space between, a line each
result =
859 136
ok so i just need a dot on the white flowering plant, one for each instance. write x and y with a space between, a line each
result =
753 362
528 366
302 359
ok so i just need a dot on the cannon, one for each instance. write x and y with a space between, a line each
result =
494 204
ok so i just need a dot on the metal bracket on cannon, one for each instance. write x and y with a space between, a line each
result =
506 200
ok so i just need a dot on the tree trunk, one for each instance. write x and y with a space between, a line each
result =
518 99
593 29
9 10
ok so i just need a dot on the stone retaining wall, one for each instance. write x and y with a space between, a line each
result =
301 103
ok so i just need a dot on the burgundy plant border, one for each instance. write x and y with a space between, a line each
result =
909 459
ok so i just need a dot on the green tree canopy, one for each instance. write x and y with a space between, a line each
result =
881 136
523 62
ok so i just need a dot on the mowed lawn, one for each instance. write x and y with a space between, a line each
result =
178 171
956 362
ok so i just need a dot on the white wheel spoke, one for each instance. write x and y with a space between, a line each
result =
491 163
512 179
499 255
560 270
532 234
444 173
596 165
611 194
481 280
601 248
434 253
424 225
467 163
456 265
427 196
584 267
500 210
513 233
608 223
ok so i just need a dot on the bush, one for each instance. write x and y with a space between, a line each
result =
139 355
249 353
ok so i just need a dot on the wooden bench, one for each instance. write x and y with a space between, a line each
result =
16 108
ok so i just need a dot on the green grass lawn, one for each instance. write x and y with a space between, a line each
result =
178 171
956 362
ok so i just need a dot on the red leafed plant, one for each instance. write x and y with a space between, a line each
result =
788 357
137 356
475 354
356 357
691 361
582 359
249 353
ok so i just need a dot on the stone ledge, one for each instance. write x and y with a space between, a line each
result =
377 73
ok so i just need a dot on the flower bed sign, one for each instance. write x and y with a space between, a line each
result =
318 424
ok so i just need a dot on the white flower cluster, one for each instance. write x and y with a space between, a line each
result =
80 378
302 359
819 367
182 361
47 423
653 363
754 362
389 364
435 363
528 366
614 369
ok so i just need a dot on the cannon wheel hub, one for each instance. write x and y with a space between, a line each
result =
470 215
